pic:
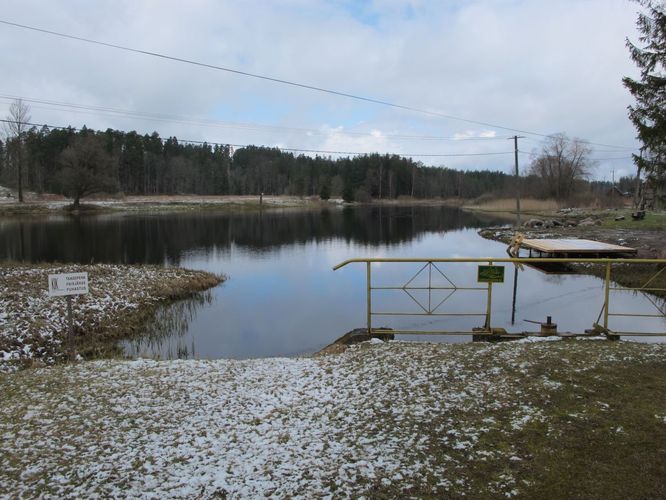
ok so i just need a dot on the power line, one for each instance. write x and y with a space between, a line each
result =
592 159
296 150
613 158
283 82
225 124
617 149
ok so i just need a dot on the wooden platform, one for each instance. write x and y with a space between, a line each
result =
575 247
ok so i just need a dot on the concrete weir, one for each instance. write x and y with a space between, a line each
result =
356 336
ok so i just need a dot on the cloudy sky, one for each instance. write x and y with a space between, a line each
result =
538 66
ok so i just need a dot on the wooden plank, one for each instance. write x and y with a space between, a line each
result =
575 246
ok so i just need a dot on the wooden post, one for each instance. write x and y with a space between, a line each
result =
70 322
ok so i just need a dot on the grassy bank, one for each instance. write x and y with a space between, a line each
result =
556 419
36 205
647 236
157 203
508 205
33 326
653 221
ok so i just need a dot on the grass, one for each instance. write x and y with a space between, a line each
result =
564 419
509 205
23 209
601 434
122 300
653 221
606 439
160 203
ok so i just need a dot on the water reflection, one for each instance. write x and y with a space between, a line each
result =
156 239
282 297
166 336
574 301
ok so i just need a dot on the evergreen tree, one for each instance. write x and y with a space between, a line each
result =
649 112
325 191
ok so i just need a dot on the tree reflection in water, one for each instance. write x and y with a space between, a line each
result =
166 336
160 238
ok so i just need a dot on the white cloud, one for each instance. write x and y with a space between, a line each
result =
533 65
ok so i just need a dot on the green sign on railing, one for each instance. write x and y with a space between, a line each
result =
490 274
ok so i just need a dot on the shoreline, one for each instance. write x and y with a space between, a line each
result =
647 237
51 205
122 299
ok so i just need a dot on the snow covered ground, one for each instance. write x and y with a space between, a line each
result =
57 203
33 326
380 419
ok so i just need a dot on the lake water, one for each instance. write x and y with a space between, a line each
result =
282 297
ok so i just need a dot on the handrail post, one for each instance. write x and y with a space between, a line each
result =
607 295
369 292
490 302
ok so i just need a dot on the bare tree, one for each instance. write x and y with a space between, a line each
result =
87 168
16 125
560 164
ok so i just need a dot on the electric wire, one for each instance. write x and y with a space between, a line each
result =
225 124
591 159
299 150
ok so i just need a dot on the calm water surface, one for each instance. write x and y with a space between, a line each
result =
282 297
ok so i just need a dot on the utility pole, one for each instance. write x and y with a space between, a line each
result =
515 146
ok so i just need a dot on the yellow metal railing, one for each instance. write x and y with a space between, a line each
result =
601 325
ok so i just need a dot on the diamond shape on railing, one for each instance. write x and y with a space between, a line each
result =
410 289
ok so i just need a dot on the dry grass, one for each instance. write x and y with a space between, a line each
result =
653 221
122 299
557 419
509 205
156 203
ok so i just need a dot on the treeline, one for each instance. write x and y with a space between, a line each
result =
148 164
51 160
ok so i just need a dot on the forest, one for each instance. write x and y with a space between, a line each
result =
77 163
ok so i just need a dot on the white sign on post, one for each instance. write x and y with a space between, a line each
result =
68 284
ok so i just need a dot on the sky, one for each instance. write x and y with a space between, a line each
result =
466 68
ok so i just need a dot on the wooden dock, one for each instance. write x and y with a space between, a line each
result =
565 247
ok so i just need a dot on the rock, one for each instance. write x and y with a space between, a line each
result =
557 223
590 222
534 223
